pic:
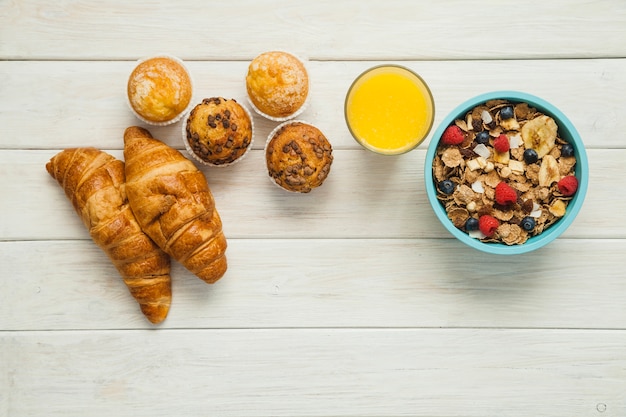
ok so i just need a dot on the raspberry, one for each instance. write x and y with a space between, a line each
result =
501 143
488 224
568 185
453 135
505 195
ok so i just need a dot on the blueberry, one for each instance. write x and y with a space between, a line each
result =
528 223
446 186
482 137
530 156
506 113
471 224
567 150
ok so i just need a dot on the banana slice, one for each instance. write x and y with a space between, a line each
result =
509 124
540 134
548 171
558 208
501 157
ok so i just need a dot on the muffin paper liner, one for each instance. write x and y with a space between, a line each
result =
280 119
182 113
297 112
202 161
267 142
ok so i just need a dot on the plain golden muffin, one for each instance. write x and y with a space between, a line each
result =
277 84
298 157
218 131
159 90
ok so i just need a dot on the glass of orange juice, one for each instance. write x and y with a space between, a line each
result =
389 109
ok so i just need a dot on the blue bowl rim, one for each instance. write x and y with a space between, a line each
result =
573 207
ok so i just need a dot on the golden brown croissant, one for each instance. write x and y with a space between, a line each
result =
94 182
174 205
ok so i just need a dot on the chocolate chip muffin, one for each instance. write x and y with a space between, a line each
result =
159 90
298 156
277 84
218 131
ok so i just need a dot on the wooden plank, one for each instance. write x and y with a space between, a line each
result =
330 372
350 301
365 196
326 29
47 105
329 284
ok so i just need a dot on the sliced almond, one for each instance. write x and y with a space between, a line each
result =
461 124
470 122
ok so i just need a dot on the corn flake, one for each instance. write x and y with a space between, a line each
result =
535 182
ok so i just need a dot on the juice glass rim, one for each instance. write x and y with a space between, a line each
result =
419 81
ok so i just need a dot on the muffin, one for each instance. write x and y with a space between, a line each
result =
278 85
218 131
159 90
298 156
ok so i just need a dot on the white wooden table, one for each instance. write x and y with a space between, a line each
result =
349 301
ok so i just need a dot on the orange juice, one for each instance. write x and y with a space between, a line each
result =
389 109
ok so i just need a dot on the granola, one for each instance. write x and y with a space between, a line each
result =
534 162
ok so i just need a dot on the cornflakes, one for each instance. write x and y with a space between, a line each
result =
476 169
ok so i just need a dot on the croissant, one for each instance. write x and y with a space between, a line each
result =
174 205
94 183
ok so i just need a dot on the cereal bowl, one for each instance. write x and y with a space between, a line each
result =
542 206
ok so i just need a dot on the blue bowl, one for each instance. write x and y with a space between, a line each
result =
567 131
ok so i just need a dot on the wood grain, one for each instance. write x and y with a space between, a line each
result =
327 283
46 105
323 30
350 301
310 372
365 196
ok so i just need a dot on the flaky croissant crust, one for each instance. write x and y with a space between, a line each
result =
94 182
174 205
